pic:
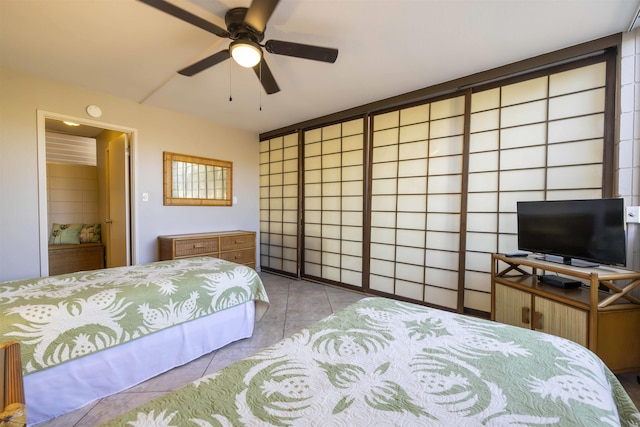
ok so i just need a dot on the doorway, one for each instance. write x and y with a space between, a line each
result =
115 167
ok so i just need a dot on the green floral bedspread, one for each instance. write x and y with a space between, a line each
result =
382 362
60 318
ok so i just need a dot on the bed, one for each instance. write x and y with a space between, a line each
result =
77 331
385 362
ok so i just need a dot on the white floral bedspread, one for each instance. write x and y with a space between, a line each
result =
63 317
387 363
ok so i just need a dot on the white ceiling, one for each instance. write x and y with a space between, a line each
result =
387 47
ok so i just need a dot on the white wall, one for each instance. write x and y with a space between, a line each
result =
158 130
629 142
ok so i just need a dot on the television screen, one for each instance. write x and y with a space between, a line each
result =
590 230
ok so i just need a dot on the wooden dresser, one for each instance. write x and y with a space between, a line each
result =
237 246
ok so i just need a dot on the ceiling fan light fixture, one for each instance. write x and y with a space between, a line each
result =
246 52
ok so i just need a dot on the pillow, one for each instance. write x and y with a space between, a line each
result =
65 234
90 233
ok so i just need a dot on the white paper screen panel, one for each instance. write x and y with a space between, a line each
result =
523 114
523 136
417 132
279 203
484 141
442 297
476 261
415 201
576 104
548 145
578 79
575 153
578 128
386 170
333 202
524 92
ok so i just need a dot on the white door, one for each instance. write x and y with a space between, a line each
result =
117 226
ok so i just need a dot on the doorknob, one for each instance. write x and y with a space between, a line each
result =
108 221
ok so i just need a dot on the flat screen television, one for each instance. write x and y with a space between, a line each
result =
588 230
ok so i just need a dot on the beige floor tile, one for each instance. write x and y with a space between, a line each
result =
113 406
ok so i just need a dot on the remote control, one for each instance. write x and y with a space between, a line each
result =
516 254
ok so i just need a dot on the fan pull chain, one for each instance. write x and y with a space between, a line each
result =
230 98
260 87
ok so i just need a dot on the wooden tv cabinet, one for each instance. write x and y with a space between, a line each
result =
606 322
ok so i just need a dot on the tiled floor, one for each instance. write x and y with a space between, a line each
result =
294 305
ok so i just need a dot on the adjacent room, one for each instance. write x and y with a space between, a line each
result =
415 169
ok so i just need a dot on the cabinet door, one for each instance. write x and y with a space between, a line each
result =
560 320
512 306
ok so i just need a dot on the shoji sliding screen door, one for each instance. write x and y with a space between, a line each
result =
411 201
416 200
334 202
279 204
541 138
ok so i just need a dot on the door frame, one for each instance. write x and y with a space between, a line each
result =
42 180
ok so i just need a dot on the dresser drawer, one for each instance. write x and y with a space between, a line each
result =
244 256
240 241
195 247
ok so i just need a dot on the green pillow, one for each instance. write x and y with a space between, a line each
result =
90 233
65 234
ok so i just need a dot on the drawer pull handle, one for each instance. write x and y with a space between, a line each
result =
525 315
238 241
238 256
198 245
537 320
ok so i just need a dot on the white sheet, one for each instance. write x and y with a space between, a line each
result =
72 385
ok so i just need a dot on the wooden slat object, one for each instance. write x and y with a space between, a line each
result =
71 258
12 402
561 320
511 303
237 246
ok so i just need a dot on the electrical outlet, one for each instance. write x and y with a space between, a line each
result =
632 214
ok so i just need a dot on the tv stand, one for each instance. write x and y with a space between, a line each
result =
607 322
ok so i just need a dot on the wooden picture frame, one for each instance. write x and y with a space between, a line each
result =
197 181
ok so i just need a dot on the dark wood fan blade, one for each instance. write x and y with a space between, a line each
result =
266 77
205 63
187 17
315 53
259 13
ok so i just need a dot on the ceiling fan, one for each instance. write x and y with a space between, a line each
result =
246 26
